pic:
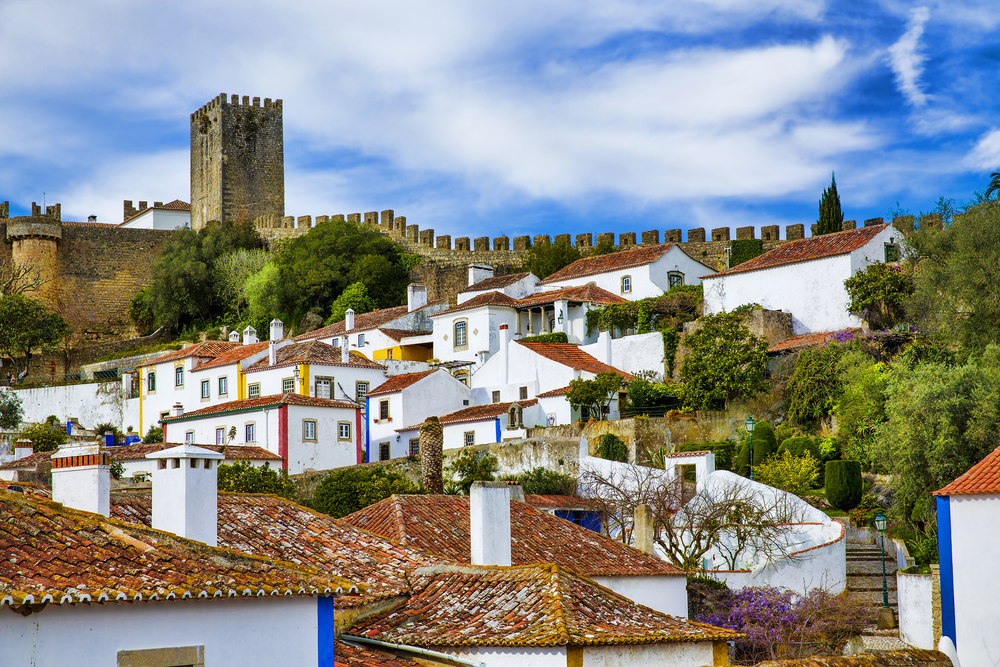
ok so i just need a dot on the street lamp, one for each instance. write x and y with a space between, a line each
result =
880 522
750 425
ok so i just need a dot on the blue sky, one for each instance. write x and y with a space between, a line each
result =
518 118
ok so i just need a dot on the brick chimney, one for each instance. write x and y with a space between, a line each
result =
185 495
81 477
489 520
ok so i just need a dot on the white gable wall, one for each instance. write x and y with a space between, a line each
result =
482 326
517 290
328 450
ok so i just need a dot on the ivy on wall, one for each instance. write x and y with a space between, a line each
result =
742 250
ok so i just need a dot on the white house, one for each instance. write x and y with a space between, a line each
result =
562 310
480 424
968 511
470 331
172 215
408 399
482 280
642 272
804 277
305 431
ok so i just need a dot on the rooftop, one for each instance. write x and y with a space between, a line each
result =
311 352
362 322
399 382
399 334
475 413
531 605
495 283
806 340
258 403
981 479
139 451
583 294
210 349
439 525
562 502
481 300
803 250
571 355
615 261
175 205
234 355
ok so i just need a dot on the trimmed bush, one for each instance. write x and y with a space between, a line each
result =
723 450
557 337
843 484
612 448
763 448
800 446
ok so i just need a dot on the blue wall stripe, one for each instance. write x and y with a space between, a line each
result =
324 630
947 568
497 422
368 428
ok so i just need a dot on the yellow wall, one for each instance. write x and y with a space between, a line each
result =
404 353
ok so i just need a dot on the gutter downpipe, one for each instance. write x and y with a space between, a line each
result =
413 649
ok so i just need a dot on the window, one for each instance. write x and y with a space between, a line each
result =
414 446
515 417
308 429
151 382
220 435
675 278
251 433
524 393
361 340
223 386
336 342
389 354
383 451
323 388
383 409
253 391
496 397
179 376
584 413
206 389
462 376
288 386
626 284
343 430
891 252
164 415
361 390
189 438
470 438
461 337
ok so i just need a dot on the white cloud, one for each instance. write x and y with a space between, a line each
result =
906 59
986 153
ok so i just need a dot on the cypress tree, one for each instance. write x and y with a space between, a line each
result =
831 217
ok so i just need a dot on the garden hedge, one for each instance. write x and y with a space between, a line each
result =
843 484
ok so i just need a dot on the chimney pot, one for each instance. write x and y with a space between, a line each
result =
349 319
234 336
81 478
249 336
277 329
185 496
489 519
479 273
177 410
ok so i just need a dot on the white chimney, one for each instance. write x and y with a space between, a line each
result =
272 351
22 448
479 273
234 336
503 352
277 329
349 319
185 495
642 529
416 297
249 336
489 519
177 410
81 477
345 351
604 347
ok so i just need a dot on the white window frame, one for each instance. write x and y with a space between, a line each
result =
323 382
189 437
253 390
224 386
461 341
344 430
206 390
220 435
288 385
626 284
178 376
361 389
307 425
250 432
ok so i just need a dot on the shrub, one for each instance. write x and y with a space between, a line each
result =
11 411
44 437
469 466
725 360
763 448
864 513
557 337
782 432
153 435
800 446
245 477
843 484
723 451
544 482
612 448
795 474
815 385
117 469
348 490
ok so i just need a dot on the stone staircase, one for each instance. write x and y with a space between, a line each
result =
864 574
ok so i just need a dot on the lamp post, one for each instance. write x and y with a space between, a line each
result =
750 425
880 522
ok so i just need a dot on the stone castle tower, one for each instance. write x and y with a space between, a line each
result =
35 240
237 160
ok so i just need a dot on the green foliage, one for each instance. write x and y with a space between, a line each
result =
879 294
788 472
27 326
723 450
726 360
829 448
612 448
245 477
44 437
153 435
864 513
557 337
594 394
645 390
831 217
545 259
815 385
742 250
545 482
232 272
782 432
663 313
800 446
262 292
860 410
764 447
117 469
355 297
604 246
11 410
141 314
470 466
347 490
843 484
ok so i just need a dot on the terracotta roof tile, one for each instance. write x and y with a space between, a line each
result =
571 355
532 605
139 451
234 355
982 478
803 250
475 413
362 322
496 299
26 462
210 349
494 283
53 553
349 654
439 525
583 293
806 340
399 334
261 402
400 382
175 205
561 391
562 502
615 261
311 352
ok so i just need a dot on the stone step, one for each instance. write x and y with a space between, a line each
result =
875 597
869 583
870 568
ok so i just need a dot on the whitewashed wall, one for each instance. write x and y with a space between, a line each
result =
81 401
482 326
977 593
688 654
517 290
632 354
160 219
916 622
329 451
511 656
665 593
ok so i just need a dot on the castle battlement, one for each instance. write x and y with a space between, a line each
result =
235 100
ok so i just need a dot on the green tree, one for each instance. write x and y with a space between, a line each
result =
814 387
11 411
605 246
860 410
466 467
232 272
26 326
831 217
347 490
594 394
354 297
994 186
879 294
795 474
44 437
245 477
263 294
612 448
141 314
545 259
725 361
153 435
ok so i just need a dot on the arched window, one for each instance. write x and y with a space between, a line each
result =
626 284
461 335
515 417
675 278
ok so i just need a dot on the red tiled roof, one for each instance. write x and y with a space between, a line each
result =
583 293
210 349
805 340
362 322
258 403
311 352
475 413
803 250
399 334
494 283
61 555
563 502
400 382
27 462
571 355
139 451
234 355
481 300
561 391
615 261
273 527
439 525
531 605
349 654
981 479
